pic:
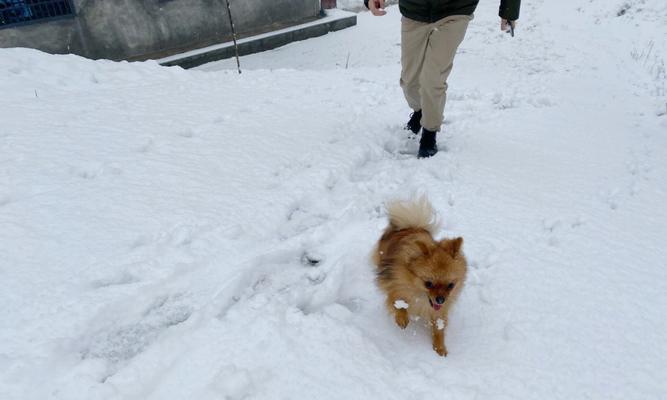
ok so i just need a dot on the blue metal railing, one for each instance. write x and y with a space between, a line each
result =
15 12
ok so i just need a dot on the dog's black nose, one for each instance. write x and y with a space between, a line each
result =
440 299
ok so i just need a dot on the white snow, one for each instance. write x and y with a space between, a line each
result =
440 324
351 4
169 234
401 305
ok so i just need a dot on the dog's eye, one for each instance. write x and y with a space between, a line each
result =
451 285
428 284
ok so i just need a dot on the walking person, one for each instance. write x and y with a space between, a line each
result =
431 32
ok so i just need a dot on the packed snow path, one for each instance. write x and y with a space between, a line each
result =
171 234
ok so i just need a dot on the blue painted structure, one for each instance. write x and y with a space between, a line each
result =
15 12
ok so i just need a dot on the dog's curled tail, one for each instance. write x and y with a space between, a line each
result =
413 213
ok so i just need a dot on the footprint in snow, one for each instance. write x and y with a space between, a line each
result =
186 133
147 146
139 242
311 259
612 198
120 342
88 172
300 220
119 279
556 230
5 200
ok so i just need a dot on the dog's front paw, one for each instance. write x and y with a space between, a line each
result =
401 318
441 350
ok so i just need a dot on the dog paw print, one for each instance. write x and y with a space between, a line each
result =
556 230
311 259
316 277
5 200
187 133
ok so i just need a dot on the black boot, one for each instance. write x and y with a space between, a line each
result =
415 122
427 146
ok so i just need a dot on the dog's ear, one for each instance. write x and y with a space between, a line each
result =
424 248
453 246
416 249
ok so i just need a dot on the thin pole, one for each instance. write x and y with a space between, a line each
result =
236 46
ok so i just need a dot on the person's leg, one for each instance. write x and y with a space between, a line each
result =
414 41
445 37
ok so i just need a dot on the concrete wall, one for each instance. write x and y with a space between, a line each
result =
136 29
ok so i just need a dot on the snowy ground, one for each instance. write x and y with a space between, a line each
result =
171 234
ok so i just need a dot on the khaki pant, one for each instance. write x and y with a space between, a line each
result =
427 57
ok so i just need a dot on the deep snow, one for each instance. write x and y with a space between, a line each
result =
171 234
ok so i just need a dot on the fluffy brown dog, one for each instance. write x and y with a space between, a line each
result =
422 277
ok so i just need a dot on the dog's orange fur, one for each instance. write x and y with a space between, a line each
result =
408 260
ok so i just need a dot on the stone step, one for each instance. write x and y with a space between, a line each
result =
333 21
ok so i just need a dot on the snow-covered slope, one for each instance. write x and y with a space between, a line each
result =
171 234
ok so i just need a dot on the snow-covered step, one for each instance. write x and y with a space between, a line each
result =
335 20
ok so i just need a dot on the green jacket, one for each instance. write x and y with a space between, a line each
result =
509 9
434 10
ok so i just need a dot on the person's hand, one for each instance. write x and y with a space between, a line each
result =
376 7
505 25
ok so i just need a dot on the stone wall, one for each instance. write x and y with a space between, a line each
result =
136 29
